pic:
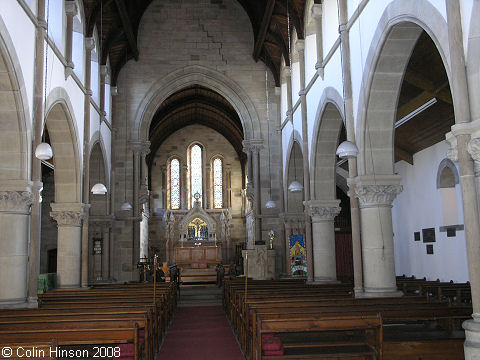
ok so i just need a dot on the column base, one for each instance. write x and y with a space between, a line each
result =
17 304
376 292
472 338
72 287
358 292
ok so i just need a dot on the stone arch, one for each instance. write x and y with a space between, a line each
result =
15 134
63 137
473 61
197 75
398 30
294 170
326 132
98 139
447 178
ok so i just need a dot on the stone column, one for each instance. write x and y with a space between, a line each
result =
207 192
37 117
14 222
257 146
470 206
183 187
317 16
323 214
70 11
281 202
300 45
103 78
89 46
352 162
376 196
106 251
474 151
288 79
69 218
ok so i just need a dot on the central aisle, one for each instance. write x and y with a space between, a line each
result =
200 333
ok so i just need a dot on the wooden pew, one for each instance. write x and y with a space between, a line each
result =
369 346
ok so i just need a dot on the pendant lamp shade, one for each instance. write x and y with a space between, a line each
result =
99 189
347 150
295 187
44 151
270 204
126 206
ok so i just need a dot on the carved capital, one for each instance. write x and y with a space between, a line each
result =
286 71
452 154
89 43
69 214
377 195
317 11
473 148
71 8
103 70
300 45
140 147
319 213
16 201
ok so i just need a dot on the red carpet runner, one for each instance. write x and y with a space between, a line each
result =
200 333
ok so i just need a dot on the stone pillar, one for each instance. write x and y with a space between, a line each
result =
317 10
474 151
106 251
37 117
288 232
69 218
183 187
288 79
207 192
300 45
470 206
352 162
323 214
376 196
256 146
14 222
281 202
89 46
103 78
70 11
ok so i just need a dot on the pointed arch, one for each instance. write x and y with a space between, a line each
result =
395 37
196 75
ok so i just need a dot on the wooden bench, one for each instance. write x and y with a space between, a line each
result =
366 346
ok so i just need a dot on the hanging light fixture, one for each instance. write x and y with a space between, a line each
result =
126 205
347 150
295 185
270 204
44 151
99 188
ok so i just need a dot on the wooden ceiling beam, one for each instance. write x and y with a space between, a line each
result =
421 99
127 27
95 15
267 16
421 82
402 154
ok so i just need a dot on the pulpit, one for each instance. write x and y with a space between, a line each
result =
261 262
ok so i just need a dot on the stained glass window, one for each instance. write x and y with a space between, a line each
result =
175 184
196 171
217 184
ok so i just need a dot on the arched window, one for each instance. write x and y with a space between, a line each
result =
174 184
447 178
196 181
217 183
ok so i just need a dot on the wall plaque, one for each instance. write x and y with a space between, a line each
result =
428 235
430 249
416 235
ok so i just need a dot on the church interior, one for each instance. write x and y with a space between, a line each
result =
268 179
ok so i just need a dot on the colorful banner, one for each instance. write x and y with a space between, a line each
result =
298 255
